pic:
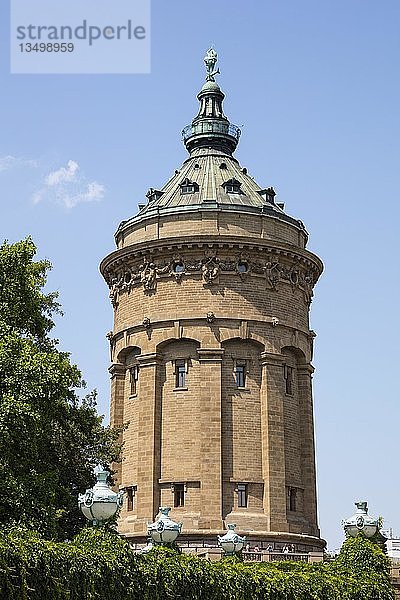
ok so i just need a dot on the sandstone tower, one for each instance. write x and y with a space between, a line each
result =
211 286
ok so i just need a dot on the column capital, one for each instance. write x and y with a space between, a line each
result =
270 358
149 360
117 369
210 354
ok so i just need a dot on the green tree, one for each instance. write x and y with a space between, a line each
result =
50 440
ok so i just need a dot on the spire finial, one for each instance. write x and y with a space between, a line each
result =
210 60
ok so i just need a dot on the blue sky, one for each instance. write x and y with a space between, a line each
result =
315 85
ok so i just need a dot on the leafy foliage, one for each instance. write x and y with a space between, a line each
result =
99 564
50 440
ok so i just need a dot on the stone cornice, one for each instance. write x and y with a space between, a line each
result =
202 320
206 242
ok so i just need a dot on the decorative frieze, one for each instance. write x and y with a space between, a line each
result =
124 274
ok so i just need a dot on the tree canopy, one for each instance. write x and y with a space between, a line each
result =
50 439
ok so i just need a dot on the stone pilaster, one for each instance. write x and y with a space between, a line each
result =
209 431
117 372
304 374
149 432
273 441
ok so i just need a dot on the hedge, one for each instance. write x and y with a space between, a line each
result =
98 564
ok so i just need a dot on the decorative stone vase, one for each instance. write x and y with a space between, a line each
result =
100 503
231 542
361 522
164 530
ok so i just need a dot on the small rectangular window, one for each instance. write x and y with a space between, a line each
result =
240 373
288 374
134 376
180 373
130 495
188 189
292 493
242 495
179 495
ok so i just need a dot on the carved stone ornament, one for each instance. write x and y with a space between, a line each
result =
307 283
272 272
274 321
275 271
147 325
110 337
210 270
148 276
210 317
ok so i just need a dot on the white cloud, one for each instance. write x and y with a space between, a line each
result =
68 186
70 173
9 162
93 191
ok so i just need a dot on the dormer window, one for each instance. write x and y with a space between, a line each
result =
188 187
268 195
153 194
232 186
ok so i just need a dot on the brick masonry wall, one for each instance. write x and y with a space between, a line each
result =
180 450
211 222
212 436
231 297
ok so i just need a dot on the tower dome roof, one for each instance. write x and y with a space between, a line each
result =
211 177
210 86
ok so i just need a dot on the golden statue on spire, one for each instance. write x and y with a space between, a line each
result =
210 60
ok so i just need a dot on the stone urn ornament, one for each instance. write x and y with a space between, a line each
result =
361 522
231 542
164 530
100 503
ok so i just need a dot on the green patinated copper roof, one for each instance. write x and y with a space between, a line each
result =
210 140
209 169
